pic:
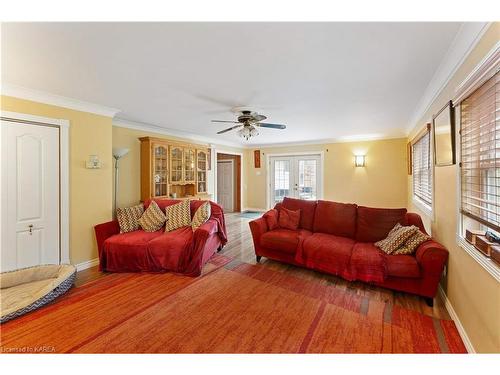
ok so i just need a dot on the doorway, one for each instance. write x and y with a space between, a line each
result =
229 182
295 176
34 191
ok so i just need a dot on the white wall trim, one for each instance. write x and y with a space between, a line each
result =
64 172
87 264
242 175
488 66
253 209
57 100
461 330
135 125
466 39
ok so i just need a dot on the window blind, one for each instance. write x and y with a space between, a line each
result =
480 154
422 168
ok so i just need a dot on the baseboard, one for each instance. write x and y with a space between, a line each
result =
87 264
454 316
253 209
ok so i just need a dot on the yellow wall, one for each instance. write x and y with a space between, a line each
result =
90 189
382 183
130 166
473 292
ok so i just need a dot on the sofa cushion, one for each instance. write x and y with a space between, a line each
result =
289 219
128 217
178 215
374 224
328 252
412 243
168 250
201 215
396 238
402 266
283 240
307 209
271 218
335 218
128 251
368 262
152 219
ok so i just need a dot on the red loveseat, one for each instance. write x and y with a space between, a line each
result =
181 250
338 238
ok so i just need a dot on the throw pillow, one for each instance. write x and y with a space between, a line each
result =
178 215
412 243
396 238
128 218
201 215
271 218
289 219
153 218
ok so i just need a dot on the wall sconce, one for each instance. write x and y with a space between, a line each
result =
359 160
93 162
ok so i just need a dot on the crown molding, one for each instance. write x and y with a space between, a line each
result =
56 100
486 69
467 37
135 125
348 139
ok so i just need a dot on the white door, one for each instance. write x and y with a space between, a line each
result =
30 195
295 177
225 186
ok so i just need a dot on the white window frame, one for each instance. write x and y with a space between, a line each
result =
417 202
479 75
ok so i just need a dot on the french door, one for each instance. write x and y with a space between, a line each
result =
296 177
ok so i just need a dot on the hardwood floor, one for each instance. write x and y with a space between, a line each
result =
240 246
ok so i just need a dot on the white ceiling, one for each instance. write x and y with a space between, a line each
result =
325 81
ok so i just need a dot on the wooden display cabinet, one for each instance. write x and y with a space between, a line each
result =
171 169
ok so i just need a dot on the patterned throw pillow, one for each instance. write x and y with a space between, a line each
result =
178 215
396 238
201 215
289 219
153 218
412 243
128 218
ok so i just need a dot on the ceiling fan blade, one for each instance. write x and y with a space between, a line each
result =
258 117
272 126
229 129
231 122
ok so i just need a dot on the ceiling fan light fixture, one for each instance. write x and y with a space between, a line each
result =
248 132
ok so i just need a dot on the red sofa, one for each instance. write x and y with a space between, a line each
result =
338 238
181 251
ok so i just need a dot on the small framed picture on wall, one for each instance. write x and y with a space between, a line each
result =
443 126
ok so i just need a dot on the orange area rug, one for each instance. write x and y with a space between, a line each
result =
233 308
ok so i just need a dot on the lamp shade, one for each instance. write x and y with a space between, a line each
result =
359 160
120 152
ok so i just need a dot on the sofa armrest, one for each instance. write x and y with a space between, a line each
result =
258 227
432 257
104 231
206 229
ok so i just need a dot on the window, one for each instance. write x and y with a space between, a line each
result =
422 169
480 154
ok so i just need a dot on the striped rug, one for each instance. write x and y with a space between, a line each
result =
233 308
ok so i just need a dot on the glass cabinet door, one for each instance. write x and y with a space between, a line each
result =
201 161
160 170
189 166
176 159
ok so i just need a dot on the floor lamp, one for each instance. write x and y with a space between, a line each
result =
118 153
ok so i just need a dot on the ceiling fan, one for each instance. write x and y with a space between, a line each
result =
249 121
